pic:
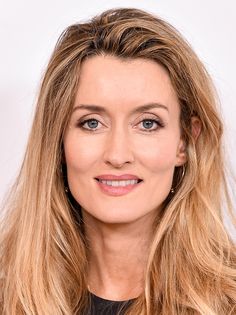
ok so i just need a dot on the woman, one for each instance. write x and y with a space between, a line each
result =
118 204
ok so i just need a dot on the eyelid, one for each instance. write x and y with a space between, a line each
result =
149 116
92 116
152 117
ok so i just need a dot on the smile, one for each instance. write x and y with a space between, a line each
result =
116 183
118 187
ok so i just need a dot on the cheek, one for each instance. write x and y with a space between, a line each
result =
159 155
80 155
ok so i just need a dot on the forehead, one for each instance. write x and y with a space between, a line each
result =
124 83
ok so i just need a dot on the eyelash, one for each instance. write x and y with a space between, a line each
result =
160 124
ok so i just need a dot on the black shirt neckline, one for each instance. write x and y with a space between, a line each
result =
103 300
101 306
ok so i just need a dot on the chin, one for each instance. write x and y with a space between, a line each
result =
113 217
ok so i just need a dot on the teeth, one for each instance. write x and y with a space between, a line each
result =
116 183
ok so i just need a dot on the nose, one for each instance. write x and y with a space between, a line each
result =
118 148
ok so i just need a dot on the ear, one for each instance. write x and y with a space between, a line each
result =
181 156
196 127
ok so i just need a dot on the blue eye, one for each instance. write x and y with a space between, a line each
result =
92 124
148 123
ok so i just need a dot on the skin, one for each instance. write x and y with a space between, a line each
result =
119 228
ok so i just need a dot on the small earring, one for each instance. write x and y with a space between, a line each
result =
66 189
172 191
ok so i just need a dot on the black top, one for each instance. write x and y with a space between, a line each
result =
100 306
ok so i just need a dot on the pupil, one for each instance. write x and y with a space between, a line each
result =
148 123
92 123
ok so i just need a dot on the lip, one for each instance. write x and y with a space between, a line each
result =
117 191
117 177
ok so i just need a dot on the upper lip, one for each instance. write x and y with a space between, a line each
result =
117 177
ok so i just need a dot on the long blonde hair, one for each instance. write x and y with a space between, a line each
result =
43 260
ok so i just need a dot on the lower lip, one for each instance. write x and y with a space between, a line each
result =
117 191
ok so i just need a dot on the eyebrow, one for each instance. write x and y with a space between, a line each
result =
140 109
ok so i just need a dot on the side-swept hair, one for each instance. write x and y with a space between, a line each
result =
191 265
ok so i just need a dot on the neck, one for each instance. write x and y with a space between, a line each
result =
117 256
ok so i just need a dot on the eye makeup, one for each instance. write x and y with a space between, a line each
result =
93 122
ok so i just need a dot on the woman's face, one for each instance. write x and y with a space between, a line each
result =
120 137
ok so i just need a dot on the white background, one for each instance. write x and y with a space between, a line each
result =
29 30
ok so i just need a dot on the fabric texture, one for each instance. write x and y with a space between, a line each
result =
100 306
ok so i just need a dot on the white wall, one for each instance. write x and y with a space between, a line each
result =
29 30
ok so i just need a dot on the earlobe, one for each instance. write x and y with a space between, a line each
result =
181 153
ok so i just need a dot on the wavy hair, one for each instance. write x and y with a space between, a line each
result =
192 260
